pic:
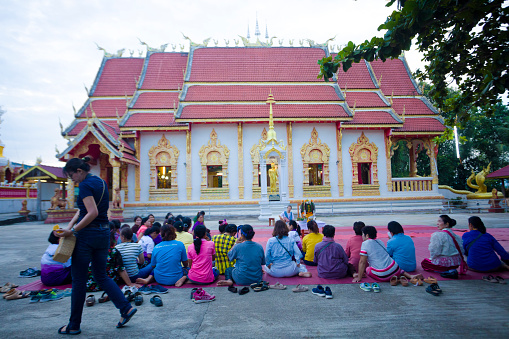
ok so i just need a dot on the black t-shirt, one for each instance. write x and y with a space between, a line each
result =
95 187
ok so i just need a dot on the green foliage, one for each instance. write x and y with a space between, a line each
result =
463 40
400 162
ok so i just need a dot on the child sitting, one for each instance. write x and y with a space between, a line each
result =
353 245
54 273
147 242
295 233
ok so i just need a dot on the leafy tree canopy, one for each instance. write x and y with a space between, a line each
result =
465 41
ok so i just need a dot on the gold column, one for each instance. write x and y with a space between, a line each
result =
70 194
432 160
388 156
116 177
290 158
413 158
124 172
241 161
189 186
339 136
137 188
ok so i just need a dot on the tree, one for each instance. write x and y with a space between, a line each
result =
465 41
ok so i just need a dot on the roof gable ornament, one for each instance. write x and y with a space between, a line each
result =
313 44
195 44
379 81
392 96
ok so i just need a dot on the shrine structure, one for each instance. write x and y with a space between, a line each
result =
191 129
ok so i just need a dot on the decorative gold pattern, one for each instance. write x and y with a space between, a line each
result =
124 173
388 156
314 152
255 159
241 160
214 154
290 158
339 136
189 159
165 155
364 152
70 193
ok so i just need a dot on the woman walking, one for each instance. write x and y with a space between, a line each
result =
90 226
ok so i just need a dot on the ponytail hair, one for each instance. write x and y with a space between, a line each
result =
74 164
477 223
448 220
199 232
179 226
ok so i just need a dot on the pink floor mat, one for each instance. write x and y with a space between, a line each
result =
420 235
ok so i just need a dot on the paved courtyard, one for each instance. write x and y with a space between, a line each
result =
465 309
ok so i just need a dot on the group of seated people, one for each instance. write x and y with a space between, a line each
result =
180 252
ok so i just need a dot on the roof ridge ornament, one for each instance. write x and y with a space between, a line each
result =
195 44
106 54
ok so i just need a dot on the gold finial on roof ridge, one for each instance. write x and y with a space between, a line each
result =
271 134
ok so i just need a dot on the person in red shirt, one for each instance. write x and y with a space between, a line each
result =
353 245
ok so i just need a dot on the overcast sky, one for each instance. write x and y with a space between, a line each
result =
48 55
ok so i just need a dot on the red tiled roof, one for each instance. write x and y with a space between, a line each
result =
156 100
372 118
501 173
394 77
162 119
260 93
105 108
262 111
130 157
111 126
357 77
164 71
412 106
256 64
421 125
77 129
119 77
364 99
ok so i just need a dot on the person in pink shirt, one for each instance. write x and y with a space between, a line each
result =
353 245
201 255
146 225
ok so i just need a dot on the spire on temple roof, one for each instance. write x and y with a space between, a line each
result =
266 32
257 28
248 35
271 134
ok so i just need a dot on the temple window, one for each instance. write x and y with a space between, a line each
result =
214 176
364 155
163 170
214 164
163 177
315 162
315 174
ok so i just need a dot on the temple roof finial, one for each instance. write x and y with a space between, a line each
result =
248 34
271 134
266 32
257 28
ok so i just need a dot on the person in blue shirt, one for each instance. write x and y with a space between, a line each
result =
169 261
401 247
481 249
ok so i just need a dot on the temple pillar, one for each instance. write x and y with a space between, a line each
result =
290 159
388 155
339 161
189 187
283 184
241 160
116 179
70 194
137 185
124 172
263 186
412 158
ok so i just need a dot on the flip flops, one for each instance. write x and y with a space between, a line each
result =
126 318
416 282
394 280
300 288
434 289
498 279
278 286
156 300
90 301
138 299
68 331
7 287
403 280
104 298
430 280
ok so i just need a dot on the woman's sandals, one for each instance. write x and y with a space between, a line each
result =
261 286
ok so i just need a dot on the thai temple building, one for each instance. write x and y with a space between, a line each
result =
253 126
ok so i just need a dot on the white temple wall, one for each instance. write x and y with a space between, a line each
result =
131 183
227 135
350 137
301 134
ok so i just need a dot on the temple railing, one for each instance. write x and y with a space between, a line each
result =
17 192
416 184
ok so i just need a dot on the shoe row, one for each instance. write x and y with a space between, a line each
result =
322 292
30 273
199 295
49 295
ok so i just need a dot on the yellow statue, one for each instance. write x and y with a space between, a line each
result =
273 178
479 179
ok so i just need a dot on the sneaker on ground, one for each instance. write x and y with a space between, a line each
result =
52 296
29 273
36 296
145 289
133 289
365 287
203 297
319 291
328 293
158 289
125 288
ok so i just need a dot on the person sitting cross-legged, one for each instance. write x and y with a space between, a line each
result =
54 273
330 257
282 255
401 247
249 259
169 261
223 244
381 266
182 235
353 245
309 242
201 255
